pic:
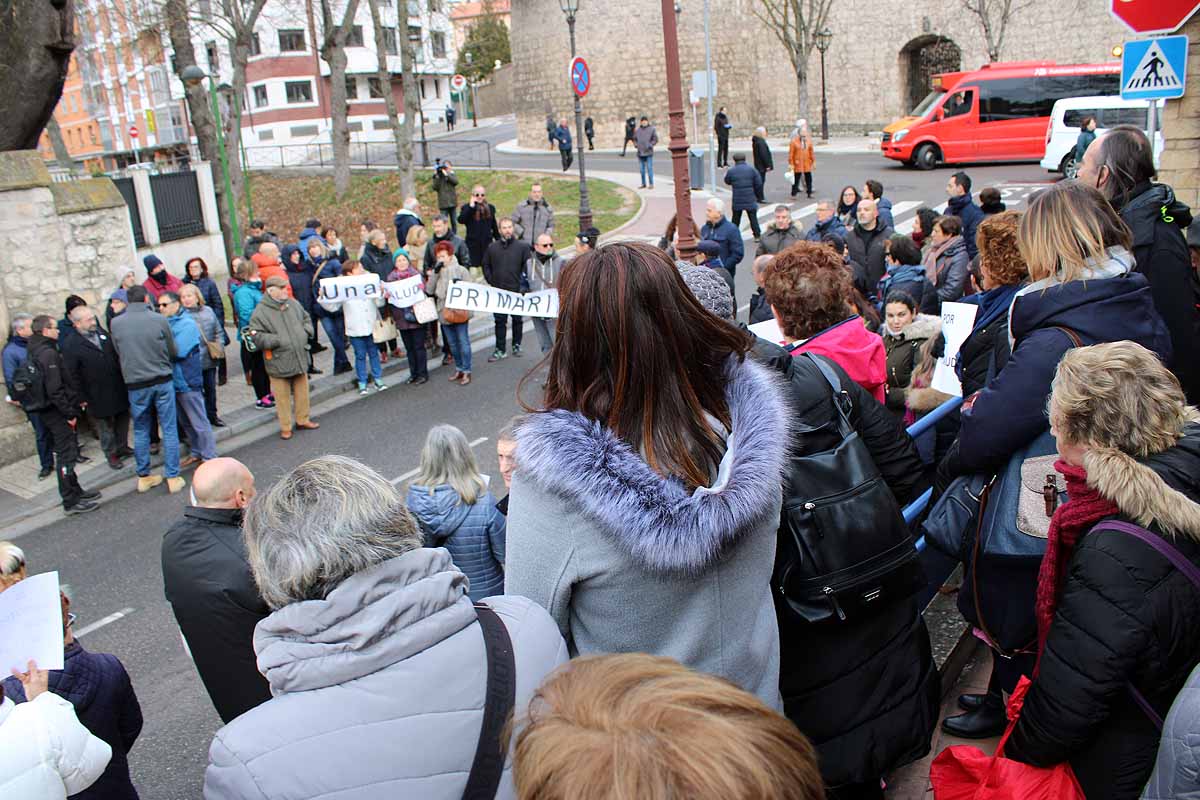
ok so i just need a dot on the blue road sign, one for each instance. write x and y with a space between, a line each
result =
1154 68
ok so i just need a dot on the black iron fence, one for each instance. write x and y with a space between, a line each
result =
177 205
125 187
461 152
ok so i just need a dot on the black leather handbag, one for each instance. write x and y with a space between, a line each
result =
847 551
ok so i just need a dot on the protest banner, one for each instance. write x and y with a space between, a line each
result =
31 624
957 321
488 299
349 287
404 293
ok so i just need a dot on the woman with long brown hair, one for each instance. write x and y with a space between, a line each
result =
646 498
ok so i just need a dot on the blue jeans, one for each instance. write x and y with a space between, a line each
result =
201 441
364 349
646 165
45 448
337 339
459 338
161 398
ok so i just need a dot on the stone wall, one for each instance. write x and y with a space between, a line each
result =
61 239
495 98
1180 162
866 65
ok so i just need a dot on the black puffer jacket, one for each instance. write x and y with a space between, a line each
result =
1162 256
1126 616
865 694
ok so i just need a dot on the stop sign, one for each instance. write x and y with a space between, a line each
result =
1154 16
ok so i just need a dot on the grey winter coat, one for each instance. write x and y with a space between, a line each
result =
473 534
645 137
210 329
627 561
1177 771
532 220
377 690
773 241
544 276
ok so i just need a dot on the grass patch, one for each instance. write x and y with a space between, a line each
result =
286 201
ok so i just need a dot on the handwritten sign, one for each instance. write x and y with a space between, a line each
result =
957 321
488 299
31 624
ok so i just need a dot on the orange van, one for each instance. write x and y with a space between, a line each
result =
998 112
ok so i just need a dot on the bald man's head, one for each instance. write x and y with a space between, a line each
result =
222 483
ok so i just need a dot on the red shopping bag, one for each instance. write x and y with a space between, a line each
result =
963 772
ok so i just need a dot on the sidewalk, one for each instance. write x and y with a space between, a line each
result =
836 145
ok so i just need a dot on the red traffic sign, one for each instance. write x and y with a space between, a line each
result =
133 131
581 76
1154 16
458 83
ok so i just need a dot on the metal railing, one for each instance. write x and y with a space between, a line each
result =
917 507
462 152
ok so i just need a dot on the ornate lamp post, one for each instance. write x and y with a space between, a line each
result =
823 37
193 75
570 8
686 248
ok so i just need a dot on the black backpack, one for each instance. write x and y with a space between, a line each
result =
845 551
29 386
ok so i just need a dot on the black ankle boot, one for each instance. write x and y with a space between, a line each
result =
983 723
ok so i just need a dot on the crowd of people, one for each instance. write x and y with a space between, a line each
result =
699 581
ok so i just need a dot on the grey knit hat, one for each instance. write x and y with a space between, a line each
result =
709 288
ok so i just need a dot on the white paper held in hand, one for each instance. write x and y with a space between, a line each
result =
957 321
31 624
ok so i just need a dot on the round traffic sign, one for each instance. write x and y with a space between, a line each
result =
133 131
1153 16
581 76
458 83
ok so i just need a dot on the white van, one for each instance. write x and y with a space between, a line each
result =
1063 131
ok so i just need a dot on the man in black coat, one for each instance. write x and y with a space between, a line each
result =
58 409
504 268
865 242
93 370
443 232
478 218
207 581
630 127
1121 165
721 129
762 158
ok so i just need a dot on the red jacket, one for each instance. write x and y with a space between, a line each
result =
269 267
856 350
155 288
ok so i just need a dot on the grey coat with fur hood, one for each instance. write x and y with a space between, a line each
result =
626 560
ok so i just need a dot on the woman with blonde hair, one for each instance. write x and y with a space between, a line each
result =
211 330
635 725
1119 589
801 158
451 501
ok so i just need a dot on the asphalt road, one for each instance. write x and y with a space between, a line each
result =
111 557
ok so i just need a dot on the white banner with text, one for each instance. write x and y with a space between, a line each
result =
488 299
401 294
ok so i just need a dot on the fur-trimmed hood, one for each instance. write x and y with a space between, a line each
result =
655 519
1162 490
923 326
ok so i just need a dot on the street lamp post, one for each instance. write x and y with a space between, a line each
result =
471 87
823 37
570 8
193 76
686 248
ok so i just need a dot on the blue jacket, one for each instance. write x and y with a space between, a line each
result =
403 222
726 234
884 207
909 278
562 135
188 373
832 225
474 535
15 354
747 186
245 299
1011 411
306 236
332 268
971 215
98 686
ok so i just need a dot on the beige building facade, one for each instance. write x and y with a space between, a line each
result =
877 66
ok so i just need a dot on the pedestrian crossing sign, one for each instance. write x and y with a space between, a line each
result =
1155 68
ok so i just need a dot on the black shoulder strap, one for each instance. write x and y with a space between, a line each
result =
841 400
486 769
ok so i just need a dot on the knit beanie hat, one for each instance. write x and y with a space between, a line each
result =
709 288
151 261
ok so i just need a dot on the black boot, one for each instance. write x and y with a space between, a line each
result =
970 702
983 723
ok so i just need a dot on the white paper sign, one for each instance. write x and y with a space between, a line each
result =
488 299
957 321
769 330
31 624
405 292
335 291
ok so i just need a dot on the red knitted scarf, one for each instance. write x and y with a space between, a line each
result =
1084 508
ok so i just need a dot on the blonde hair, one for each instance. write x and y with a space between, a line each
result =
447 458
12 565
1118 396
417 237
1067 229
190 288
641 726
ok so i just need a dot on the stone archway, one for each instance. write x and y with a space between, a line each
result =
922 58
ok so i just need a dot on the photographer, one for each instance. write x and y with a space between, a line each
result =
445 183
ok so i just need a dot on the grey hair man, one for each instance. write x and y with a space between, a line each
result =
208 583
543 269
828 221
94 372
16 352
370 618
760 309
407 217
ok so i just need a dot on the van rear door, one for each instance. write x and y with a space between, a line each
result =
957 124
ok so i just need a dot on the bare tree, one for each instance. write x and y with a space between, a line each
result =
400 133
333 50
61 154
994 16
408 61
795 23
236 25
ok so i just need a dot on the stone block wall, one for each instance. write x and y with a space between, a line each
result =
495 98
1180 162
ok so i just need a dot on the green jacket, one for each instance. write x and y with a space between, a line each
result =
282 331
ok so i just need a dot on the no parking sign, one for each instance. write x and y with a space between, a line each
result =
581 76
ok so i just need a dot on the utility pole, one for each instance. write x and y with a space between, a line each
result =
570 8
686 228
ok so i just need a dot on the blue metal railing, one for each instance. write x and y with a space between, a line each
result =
916 507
